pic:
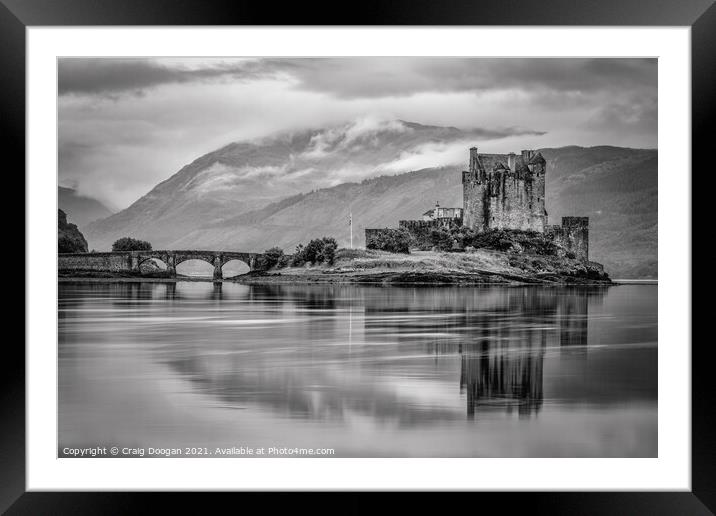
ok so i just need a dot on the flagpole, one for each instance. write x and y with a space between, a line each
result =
350 221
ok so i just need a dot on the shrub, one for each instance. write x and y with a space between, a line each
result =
327 254
510 240
283 262
131 244
313 250
391 240
271 257
298 256
71 244
442 240
318 250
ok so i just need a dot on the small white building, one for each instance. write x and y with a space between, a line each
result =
442 213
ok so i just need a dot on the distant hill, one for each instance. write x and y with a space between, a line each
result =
237 198
81 210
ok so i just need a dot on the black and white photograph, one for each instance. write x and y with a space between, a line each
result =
357 257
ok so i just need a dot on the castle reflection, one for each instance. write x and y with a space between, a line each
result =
500 334
499 378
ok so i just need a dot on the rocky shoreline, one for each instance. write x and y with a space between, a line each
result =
414 278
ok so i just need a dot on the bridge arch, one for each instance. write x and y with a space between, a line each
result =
161 263
235 267
216 259
182 257
195 267
161 259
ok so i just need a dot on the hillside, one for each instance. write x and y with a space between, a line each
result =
81 209
618 190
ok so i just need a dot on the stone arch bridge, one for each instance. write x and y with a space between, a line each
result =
117 261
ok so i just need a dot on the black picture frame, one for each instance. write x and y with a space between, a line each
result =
700 15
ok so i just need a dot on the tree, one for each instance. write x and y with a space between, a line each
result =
272 257
131 244
67 244
69 238
441 239
318 250
299 256
327 253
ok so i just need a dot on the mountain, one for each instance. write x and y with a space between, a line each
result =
238 209
82 210
245 176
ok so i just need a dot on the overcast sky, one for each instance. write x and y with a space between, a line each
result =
127 124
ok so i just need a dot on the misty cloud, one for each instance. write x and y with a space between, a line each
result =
399 76
126 125
640 114
102 76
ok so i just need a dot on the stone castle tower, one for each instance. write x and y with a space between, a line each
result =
505 191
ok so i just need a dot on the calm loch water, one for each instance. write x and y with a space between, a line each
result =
194 369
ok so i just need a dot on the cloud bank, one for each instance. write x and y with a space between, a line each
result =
127 124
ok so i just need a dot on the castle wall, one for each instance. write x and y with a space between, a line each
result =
573 236
473 203
509 202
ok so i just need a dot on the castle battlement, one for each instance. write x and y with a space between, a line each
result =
526 165
575 222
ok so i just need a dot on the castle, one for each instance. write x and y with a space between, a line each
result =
501 191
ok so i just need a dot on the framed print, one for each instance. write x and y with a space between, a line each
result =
437 250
